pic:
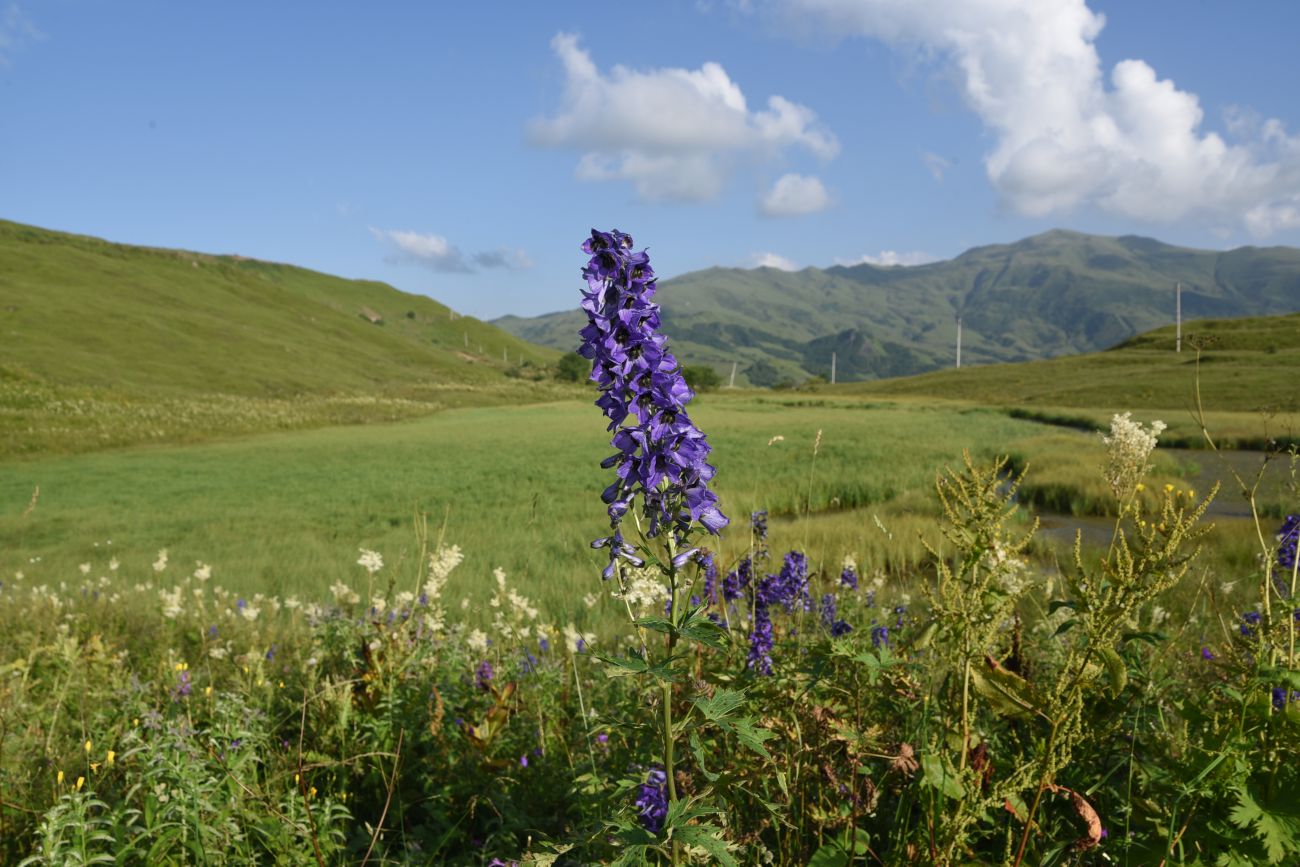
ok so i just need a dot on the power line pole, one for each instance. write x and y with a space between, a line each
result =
959 342
1178 318
832 368
732 384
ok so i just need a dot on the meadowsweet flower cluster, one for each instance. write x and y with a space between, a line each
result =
662 456
1128 447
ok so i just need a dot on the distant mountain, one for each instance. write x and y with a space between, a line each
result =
79 311
1057 293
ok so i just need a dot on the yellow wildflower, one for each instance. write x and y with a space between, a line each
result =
110 758
81 781
60 778
89 746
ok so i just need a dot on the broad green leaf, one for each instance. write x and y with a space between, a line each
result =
829 855
656 624
707 837
937 775
723 702
698 750
1006 692
752 736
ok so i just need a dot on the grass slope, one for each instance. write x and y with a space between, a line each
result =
107 344
81 311
1053 294
1246 378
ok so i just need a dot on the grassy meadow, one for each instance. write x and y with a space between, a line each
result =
334 619
515 487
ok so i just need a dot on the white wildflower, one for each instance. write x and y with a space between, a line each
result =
202 571
250 612
113 564
161 563
435 620
379 604
643 591
84 568
343 594
371 561
292 603
441 563
403 599
171 602
590 600
1128 448
477 641
577 641
217 651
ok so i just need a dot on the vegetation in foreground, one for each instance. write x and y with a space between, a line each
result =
1118 708
1141 715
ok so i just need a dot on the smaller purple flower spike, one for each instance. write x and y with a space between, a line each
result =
483 675
652 801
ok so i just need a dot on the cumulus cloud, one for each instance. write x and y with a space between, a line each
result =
674 134
439 254
772 260
1067 133
889 258
794 195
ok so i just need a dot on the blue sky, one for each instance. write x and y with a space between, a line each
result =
463 150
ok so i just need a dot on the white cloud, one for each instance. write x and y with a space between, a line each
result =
772 260
888 258
436 252
936 164
674 134
16 31
1067 135
794 195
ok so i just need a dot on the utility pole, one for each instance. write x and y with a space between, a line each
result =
1178 318
466 335
732 384
832 368
959 342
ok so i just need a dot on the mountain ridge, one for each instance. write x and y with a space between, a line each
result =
1055 293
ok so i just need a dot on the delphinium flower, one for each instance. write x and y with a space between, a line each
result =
1287 537
1281 697
483 675
733 586
849 574
879 636
662 456
652 801
760 642
833 624
758 527
1249 621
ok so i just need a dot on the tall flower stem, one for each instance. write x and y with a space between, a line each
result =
668 686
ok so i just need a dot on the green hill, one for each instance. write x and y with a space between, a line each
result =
125 330
1058 293
1245 365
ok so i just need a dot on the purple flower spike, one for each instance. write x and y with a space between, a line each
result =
661 456
652 801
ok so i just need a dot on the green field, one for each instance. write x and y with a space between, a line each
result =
515 487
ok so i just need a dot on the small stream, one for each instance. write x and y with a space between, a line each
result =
1202 469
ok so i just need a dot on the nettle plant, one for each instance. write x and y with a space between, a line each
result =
660 508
